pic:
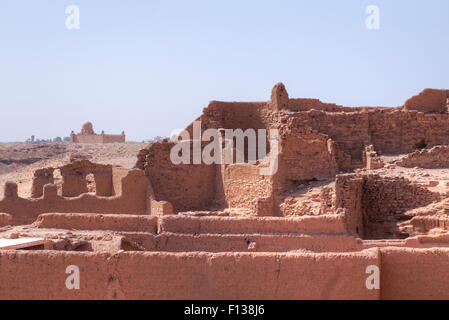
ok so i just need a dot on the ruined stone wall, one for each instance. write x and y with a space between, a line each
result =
317 141
403 132
388 130
429 101
234 115
384 202
371 159
185 186
424 224
132 200
201 186
349 131
75 183
306 104
238 115
348 196
375 206
306 155
243 184
303 104
434 158
280 100
40 179
118 174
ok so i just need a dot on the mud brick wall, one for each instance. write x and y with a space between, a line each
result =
132 200
303 104
118 174
280 100
423 224
242 183
404 274
74 175
306 155
414 273
201 186
403 132
384 202
374 206
40 179
90 221
329 224
388 130
321 140
349 131
434 158
186 186
235 115
348 195
428 101
5 219
156 275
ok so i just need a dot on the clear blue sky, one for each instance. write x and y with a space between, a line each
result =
148 67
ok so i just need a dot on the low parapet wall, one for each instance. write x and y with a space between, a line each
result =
212 234
175 242
325 224
404 274
330 224
187 275
86 221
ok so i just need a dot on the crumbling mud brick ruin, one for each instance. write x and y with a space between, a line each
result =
357 189
88 135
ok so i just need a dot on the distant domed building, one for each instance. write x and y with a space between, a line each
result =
88 135
87 128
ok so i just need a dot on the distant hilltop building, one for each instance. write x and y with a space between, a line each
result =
88 135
